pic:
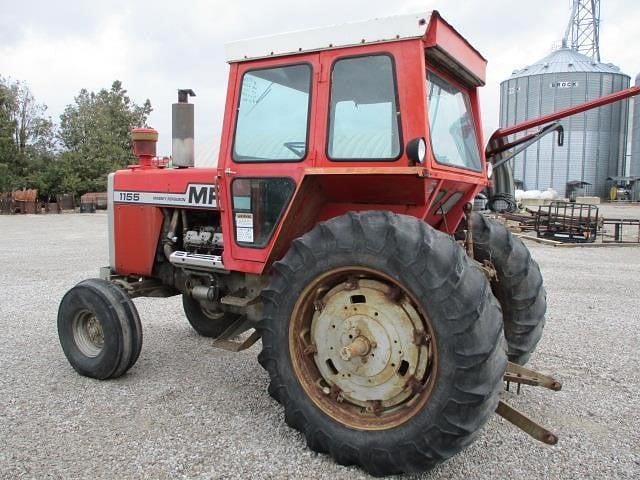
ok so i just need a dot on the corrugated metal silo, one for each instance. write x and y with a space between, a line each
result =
595 141
635 136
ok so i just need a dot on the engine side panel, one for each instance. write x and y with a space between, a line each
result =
171 187
137 231
137 198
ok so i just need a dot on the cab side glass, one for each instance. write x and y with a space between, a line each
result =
364 120
273 114
258 204
453 133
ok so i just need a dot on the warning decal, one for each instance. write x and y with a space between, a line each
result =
244 227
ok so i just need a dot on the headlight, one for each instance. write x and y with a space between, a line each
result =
417 150
422 150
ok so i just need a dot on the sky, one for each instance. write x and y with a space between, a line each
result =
156 47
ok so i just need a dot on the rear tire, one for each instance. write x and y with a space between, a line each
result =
99 329
206 323
519 286
435 279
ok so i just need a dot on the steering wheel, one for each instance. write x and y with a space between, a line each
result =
298 148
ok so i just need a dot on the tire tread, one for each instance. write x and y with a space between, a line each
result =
426 256
519 287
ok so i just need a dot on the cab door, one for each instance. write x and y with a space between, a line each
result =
267 146
456 158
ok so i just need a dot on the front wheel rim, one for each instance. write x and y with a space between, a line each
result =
362 348
87 333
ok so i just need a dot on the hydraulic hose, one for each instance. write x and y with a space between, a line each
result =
502 192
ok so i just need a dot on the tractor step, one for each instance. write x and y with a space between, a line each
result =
524 376
197 261
238 327
240 302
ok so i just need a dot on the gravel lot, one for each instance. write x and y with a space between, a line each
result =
187 410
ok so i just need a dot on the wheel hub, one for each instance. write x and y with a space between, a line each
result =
88 333
360 347
365 337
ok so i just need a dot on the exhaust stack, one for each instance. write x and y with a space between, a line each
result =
182 130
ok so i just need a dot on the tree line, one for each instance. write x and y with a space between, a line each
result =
91 139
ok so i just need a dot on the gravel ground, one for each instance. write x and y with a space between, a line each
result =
187 410
619 210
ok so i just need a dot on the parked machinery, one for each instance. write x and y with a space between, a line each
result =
623 189
338 228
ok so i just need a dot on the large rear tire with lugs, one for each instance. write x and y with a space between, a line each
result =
518 286
383 342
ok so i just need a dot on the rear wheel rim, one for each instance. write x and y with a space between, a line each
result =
87 333
362 348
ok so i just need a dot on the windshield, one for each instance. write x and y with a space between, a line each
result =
453 135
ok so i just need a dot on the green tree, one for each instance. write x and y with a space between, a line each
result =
95 134
27 139
6 179
8 149
7 126
93 139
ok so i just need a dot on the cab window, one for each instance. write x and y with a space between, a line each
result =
364 122
453 134
273 112
258 204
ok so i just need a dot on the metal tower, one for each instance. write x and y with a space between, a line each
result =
583 30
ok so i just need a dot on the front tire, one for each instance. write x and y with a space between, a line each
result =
99 329
380 276
207 323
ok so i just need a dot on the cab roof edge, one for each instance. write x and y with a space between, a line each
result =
378 30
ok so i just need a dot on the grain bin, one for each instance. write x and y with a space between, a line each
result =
595 141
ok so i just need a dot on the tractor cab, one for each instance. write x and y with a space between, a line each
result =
380 114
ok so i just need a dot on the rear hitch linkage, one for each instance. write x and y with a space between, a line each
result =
523 376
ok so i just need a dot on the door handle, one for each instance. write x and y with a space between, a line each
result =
228 172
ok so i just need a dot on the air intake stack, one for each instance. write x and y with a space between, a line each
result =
182 120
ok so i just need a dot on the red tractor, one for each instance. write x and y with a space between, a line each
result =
337 228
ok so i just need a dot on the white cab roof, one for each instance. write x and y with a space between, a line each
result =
336 36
